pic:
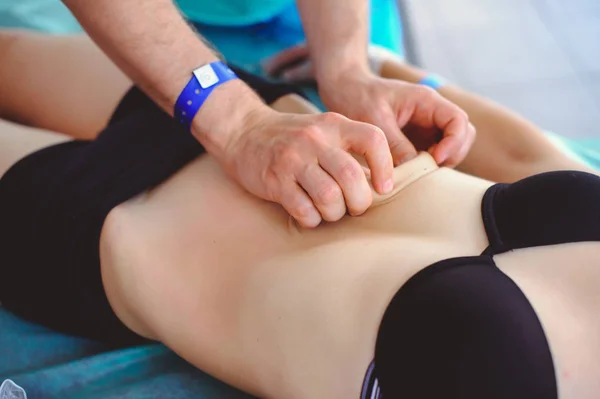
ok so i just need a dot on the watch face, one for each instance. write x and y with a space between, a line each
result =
206 76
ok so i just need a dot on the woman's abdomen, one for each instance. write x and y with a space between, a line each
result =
224 280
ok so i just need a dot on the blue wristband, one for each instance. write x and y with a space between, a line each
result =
195 93
433 81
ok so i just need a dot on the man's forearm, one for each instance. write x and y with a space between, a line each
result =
337 33
153 44
148 40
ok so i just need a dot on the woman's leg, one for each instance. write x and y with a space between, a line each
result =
61 83
294 104
17 141
508 147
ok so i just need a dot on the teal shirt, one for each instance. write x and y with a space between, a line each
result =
232 12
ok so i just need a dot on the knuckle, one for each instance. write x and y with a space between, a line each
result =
286 155
301 211
425 92
460 113
329 194
306 215
349 172
360 208
311 133
331 117
375 137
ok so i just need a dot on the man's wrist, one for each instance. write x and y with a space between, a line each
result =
332 72
350 74
224 115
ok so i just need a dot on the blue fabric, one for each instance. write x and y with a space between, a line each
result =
51 365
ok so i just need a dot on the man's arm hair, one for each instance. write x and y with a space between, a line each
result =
156 47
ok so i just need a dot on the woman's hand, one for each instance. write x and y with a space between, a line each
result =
413 117
302 162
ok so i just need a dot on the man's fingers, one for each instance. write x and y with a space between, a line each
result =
276 63
461 154
369 141
299 205
324 191
401 148
350 177
454 122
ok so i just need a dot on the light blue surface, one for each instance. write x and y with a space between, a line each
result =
51 365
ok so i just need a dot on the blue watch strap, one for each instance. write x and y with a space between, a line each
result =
433 81
204 80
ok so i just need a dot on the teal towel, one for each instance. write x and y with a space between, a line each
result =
51 365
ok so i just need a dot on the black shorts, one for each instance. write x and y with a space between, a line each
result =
53 204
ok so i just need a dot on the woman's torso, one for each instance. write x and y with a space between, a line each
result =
285 312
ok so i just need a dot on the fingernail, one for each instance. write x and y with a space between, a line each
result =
442 158
388 186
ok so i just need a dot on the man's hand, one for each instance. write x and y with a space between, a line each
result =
413 117
302 162
429 121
